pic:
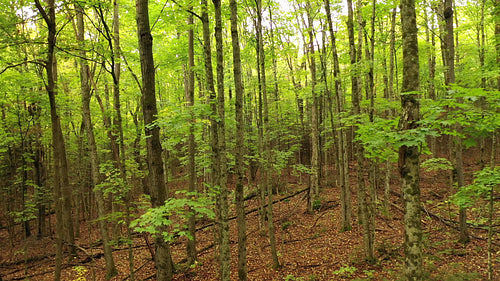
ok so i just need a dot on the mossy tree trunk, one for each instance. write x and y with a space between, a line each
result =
409 155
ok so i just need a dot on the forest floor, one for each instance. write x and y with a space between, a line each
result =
310 246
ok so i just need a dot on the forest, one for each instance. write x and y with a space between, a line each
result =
295 140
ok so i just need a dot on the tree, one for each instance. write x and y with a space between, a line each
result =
409 154
240 144
164 264
343 159
62 192
315 150
265 136
191 244
94 157
449 56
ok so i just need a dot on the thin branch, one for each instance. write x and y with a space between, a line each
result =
22 63
42 11
188 10
132 73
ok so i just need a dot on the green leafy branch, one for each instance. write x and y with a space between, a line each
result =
484 181
159 221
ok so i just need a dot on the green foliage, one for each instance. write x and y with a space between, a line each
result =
484 181
159 221
27 213
474 109
286 225
345 271
316 204
113 183
80 273
379 138
291 277
300 168
437 164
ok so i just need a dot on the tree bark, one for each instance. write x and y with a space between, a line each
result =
240 144
266 137
355 87
221 152
409 162
62 191
94 158
191 243
315 151
164 264
343 161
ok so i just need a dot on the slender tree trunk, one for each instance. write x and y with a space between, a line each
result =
431 37
191 243
39 174
481 41
315 153
164 264
94 158
62 192
260 125
266 136
346 222
368 206
409 155
117 122
207 54
221 153
357 96
449 54
240 144
392 54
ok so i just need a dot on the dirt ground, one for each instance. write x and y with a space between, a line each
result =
310 246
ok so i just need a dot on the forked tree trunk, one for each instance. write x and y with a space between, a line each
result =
164 264
409 162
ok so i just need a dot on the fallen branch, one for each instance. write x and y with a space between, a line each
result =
256 209
446 222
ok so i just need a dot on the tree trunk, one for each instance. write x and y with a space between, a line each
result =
94 158
346 221
39 174
62 192
315 153
207 54
266 135
240 145
409 155
164 264
345 188
221 152
449 53
392 54
191 243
